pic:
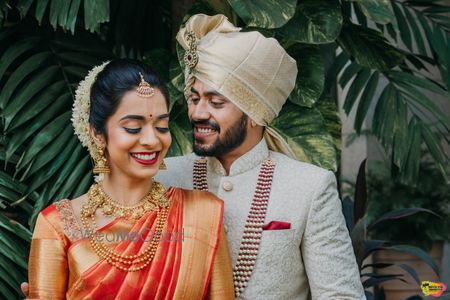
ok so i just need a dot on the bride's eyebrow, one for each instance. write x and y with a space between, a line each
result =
133 117
163 116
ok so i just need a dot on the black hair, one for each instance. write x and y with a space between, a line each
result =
118 77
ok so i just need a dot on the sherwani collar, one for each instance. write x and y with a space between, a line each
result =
244 163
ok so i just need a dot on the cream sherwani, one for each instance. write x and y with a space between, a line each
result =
312 260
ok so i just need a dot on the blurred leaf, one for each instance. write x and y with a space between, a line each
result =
42 101
315 22
25 95
329 111
419 253
360 192
45 136
411 272
159 60
400 213
25 69
311 75
305 132
351 70
358 237
403 26
415 30
12 53
21 135
181 130
408 78
265 14
355 89
95 13
369 48
365 101
376 279
379 11
348 211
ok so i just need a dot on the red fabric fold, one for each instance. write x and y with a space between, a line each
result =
276 225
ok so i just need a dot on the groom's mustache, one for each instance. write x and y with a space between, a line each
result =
211 124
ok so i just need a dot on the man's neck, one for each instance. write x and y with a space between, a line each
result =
228 159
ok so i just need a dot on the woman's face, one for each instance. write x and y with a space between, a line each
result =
138 136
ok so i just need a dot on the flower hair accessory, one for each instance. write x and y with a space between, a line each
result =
81 108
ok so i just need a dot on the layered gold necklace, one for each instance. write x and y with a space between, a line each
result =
155 200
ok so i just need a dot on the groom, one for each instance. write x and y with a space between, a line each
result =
286 231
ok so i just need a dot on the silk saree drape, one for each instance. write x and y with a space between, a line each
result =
191 261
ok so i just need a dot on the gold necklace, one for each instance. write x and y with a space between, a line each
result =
148 203
155 200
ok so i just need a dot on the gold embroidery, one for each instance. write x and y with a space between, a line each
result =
247 100
71 226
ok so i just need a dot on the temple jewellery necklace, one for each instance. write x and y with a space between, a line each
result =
155 200
251 238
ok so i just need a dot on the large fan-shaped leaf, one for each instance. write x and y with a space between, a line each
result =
22 134
369 48
315 22
46 135
28 67
64 13
26 94
265 14
365 101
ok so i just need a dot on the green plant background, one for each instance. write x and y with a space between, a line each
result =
47 47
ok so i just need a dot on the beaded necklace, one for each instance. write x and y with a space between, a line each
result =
251 238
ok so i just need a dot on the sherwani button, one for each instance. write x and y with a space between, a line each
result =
227 186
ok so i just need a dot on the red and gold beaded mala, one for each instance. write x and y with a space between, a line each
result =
251 238
155 200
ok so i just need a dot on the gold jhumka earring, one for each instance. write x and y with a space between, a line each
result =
100 163
162 166
144 89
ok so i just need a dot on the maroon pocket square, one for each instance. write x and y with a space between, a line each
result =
276 225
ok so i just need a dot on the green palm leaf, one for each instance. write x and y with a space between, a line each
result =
64 13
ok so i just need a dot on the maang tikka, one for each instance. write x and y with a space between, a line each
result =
145 90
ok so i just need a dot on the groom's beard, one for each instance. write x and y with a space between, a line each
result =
231 139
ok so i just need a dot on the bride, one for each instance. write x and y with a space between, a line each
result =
128 237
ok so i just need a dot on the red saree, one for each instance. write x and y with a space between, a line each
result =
191 261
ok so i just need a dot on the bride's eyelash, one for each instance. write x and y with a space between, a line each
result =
132 130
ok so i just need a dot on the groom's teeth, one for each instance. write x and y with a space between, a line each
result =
204 130
145 156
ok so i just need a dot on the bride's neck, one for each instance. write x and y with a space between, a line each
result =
126 192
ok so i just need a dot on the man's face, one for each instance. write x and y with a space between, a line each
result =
219 126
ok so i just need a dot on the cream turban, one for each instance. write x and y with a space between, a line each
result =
252 71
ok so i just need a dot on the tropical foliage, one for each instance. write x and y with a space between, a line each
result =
430 193
47 47
360 226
